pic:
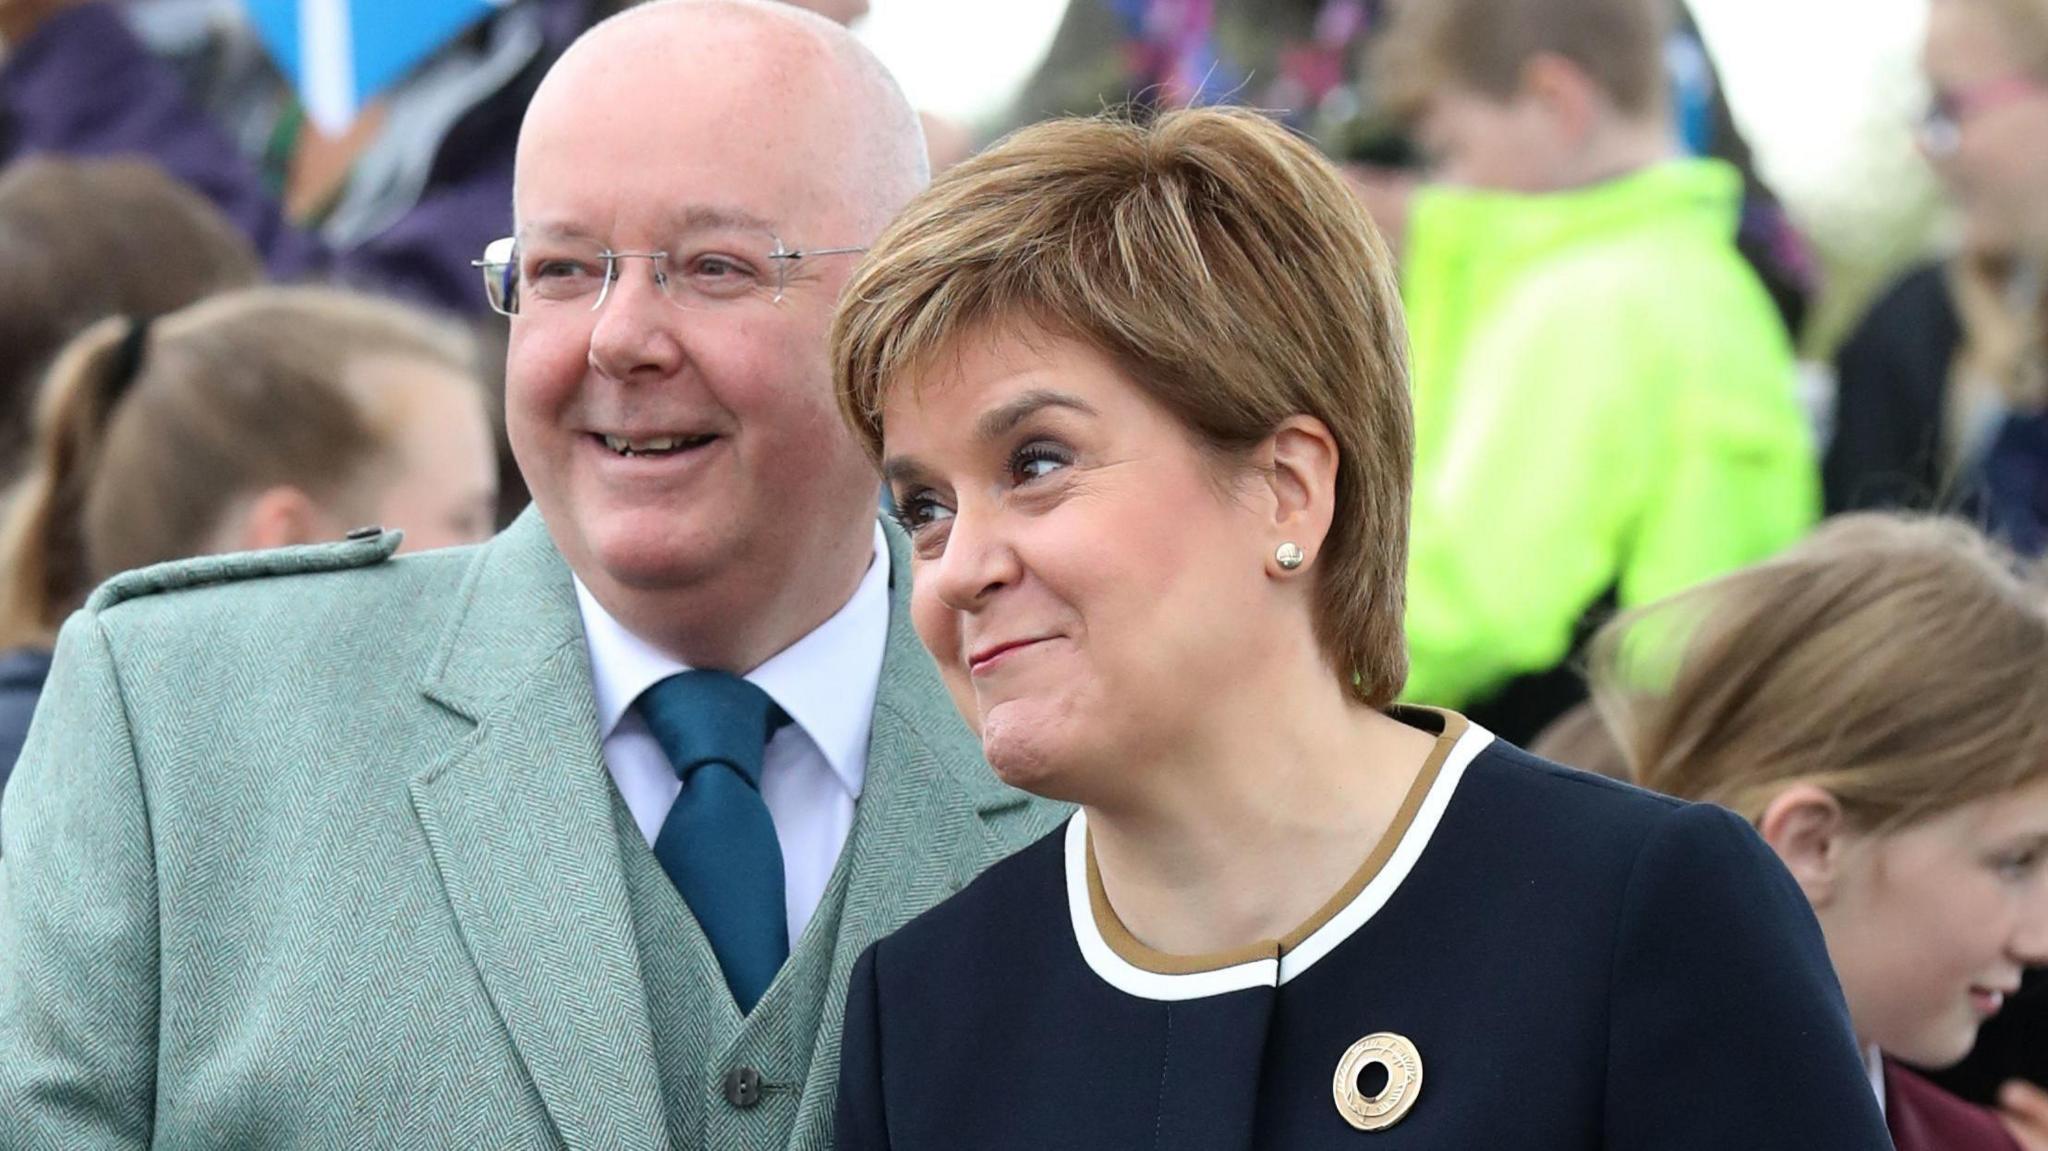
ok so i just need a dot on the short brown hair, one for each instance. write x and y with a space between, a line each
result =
1224 266
86 239
145 435
1900 663
1483 45
2025 24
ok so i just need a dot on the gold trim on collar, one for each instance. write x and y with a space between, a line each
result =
1136 953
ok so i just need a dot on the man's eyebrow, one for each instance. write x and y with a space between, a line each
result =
704 217
1000 421
555 230
692 219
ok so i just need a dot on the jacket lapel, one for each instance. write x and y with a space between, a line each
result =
919 832
519 820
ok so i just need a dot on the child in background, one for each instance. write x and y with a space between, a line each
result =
1943 398
1605 398
255 419
82 240
1875 701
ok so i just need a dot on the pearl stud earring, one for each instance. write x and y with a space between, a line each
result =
1289 556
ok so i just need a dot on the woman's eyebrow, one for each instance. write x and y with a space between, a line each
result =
993 424
902 470
1000 421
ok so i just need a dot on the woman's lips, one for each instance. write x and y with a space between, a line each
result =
995 655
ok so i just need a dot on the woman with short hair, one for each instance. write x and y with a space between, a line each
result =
1140 396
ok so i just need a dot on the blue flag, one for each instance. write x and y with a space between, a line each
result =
339 54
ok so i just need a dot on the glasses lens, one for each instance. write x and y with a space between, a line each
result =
500 275
709 267
714 267
555 270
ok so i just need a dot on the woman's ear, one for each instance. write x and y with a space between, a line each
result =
1804 824
1300 463
277 517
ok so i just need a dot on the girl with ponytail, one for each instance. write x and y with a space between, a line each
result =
260 418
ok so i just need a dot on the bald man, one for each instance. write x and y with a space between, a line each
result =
570 839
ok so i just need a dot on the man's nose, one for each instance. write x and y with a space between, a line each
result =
637 330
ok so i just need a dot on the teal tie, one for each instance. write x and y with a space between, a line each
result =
718 843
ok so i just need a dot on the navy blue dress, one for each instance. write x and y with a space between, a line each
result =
1566 962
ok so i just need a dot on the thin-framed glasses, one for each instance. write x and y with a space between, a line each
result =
1941 126
703 269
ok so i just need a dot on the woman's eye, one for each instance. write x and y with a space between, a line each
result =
916 511
1036 461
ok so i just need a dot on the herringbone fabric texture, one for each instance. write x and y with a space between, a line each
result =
313 850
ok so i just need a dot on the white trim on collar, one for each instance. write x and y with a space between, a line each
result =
1133 980
827 681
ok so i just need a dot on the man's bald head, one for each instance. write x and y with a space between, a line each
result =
695 136
803 79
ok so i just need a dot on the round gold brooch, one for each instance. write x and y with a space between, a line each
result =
1386 1107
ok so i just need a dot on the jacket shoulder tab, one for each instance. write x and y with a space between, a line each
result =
364 547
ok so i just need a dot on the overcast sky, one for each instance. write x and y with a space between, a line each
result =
963 59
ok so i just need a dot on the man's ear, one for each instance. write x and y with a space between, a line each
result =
277 517
1804 824
1299 461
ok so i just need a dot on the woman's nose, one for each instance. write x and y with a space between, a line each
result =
976 563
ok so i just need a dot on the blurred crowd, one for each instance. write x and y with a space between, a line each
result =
224 327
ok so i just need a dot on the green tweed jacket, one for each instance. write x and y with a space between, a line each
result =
317 848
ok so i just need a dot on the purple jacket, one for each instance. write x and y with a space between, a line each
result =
84 85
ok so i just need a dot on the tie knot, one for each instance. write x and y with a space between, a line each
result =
707 717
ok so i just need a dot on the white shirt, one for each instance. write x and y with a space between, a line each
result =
813 768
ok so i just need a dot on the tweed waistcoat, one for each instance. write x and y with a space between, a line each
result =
700 1039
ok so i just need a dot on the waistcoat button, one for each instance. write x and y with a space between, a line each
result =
743 1087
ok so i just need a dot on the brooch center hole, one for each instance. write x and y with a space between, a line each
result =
1373 1079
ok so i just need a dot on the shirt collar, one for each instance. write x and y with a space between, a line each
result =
1873 1066
826 681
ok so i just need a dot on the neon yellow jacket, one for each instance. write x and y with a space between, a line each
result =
1605 401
